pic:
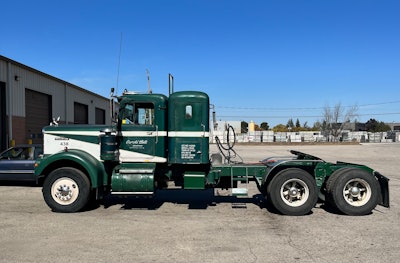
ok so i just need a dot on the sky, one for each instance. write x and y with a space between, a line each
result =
258 60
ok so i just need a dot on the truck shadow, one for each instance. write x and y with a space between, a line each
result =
195 199
19 183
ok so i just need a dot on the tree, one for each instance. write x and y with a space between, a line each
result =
264 126
298 124
257 128
280 128
374 126
336 118
290 124
244 127
317 126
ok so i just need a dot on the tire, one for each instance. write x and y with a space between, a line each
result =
330 183
353 191
293 192
66 190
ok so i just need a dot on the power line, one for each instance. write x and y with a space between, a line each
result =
300 116
304 108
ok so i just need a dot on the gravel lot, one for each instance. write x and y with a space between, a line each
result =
200 226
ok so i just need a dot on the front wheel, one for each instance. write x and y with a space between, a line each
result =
66 190
293 192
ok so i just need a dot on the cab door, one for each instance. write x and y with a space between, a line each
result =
143 135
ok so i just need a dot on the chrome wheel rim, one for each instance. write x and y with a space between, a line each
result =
357 192
294 192
65 191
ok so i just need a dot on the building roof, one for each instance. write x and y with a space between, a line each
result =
49 76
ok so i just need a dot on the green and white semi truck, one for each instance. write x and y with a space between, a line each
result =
158 141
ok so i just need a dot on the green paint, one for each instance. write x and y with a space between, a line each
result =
188 126
194 180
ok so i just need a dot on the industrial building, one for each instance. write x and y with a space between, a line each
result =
30 99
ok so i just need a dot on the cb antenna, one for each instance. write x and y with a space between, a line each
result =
148 81
119 62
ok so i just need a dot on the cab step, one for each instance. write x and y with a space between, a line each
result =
239 205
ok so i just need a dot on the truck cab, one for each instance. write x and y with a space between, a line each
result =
154 128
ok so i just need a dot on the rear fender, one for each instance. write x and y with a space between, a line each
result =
306 165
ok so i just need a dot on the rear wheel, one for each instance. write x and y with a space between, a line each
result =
293 192
66 190
353 191
330 183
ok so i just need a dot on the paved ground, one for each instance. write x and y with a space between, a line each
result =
198 226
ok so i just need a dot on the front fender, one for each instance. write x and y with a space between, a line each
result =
93 167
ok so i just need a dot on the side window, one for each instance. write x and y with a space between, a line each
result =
17 154
188 112
138 114
144 113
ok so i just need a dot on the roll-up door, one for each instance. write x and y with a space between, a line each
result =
100 116
37 114
3 117
81 115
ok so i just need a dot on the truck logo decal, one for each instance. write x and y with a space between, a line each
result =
137 142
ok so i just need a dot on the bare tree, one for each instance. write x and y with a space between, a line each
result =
335 119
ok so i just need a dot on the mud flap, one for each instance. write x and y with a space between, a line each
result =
384 185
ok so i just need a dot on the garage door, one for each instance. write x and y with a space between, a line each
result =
3 117
37 114
81 113
100 116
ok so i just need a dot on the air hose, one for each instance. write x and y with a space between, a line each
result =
230 152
